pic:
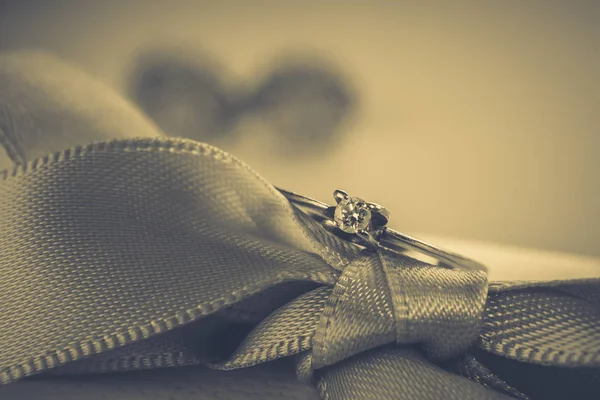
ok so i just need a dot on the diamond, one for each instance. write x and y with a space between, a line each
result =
352 215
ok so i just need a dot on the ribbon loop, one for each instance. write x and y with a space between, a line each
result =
384 297
439 307
357 316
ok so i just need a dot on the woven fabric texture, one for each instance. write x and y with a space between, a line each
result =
174 259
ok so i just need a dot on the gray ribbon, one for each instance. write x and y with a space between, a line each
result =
144 253
113 254
383 297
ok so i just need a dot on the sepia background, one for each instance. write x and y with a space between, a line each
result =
468 120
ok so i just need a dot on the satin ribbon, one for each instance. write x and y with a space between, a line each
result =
136 254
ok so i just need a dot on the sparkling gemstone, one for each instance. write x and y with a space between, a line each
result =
352 215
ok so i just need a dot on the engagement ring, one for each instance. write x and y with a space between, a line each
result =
364 224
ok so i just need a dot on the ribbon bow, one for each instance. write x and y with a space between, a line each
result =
147 253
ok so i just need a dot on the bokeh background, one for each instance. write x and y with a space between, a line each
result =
476 120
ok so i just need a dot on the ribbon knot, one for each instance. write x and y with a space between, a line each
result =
385 297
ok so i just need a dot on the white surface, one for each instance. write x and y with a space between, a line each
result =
513 263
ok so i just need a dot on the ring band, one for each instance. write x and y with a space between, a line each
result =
364 223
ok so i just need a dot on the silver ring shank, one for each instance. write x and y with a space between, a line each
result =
390 239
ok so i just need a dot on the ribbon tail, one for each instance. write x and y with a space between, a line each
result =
397 373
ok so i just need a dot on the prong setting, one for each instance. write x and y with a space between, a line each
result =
339 196
355 216
352 215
